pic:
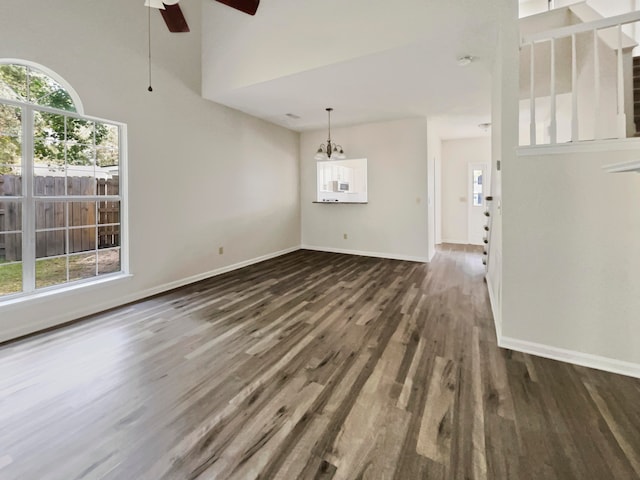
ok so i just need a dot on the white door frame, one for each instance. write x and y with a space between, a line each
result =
470 207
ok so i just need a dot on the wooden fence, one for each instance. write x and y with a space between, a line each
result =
86 219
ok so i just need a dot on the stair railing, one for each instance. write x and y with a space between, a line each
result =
571 31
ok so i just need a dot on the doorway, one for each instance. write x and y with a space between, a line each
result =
477 188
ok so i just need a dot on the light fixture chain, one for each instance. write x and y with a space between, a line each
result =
149 31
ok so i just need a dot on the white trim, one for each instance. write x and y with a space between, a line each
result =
77 102
570 356
497 314
567 31
85 310
391 256
123 171
623 144
624 167
13 301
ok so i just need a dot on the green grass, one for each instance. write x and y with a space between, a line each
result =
48 272
53 271
10 278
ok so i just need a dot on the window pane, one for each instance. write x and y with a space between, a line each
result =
10 181
82 214
108 213
48 154
10 217
45 91
81 181
109 236
109 224
49 181
80 131
108 186
10 121
10 260
81 156
107 136
48 125
108 157
477 188
50 215
82 239
82 266
10 140
109 261
51 271
50 243
13 82
10 248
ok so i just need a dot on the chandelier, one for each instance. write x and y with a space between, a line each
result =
326 150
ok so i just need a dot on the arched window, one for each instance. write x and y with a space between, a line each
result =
37 85
60 179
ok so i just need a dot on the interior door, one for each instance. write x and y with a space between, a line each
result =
478 185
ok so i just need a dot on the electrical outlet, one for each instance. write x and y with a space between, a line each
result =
345 236
220 250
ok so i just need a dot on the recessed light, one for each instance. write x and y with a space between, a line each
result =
465 60
292 115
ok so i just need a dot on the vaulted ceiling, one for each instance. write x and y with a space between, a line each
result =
370 60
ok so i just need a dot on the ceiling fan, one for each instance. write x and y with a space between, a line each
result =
173 17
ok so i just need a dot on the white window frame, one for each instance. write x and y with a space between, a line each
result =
28 200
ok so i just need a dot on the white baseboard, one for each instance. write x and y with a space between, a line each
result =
497 314
216 272
95 308
578 358
392 256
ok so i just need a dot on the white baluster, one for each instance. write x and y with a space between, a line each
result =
532 127
553 128
575 131
622 118
596 71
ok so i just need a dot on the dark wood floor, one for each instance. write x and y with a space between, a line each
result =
310 366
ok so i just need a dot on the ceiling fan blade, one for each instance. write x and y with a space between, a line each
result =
174 18
246 6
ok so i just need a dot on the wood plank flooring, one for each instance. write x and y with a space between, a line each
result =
310 366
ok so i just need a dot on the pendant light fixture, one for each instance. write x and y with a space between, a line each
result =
326 150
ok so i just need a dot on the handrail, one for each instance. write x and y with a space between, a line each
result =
563 32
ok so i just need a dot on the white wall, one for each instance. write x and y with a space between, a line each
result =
572 263
504 139
456 157
394 222
201 175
